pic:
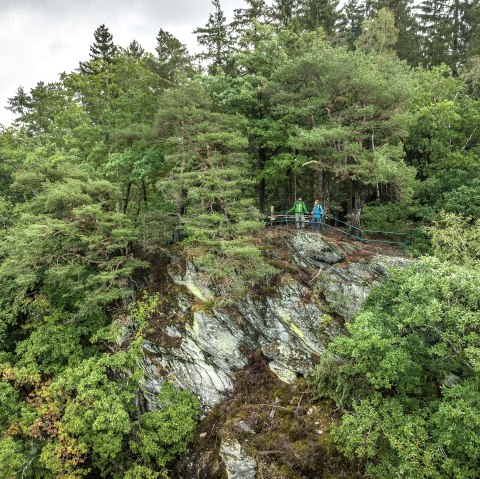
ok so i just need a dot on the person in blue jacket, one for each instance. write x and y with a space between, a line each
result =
317 215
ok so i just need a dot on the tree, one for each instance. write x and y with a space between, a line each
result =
102 51
407 27
38 109
210 188
246 22
378 33
285 11
135 49
351 110
406 375
216 38
173 58
448 31
351 18
319 13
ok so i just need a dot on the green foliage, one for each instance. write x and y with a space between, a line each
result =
136 150
12 459
456 239
165 433
407 372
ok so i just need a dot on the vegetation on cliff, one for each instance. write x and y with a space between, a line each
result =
134 151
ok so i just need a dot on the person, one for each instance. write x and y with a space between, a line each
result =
317 214
300 209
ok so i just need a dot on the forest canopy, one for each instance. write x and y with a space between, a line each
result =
373 107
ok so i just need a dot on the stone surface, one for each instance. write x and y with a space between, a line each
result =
238 465
290 325
311 250
345 288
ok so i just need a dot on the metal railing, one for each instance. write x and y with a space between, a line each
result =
393 238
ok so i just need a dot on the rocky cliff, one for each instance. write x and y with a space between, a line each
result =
246 358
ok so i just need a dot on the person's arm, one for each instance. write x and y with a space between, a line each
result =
305 208
291 209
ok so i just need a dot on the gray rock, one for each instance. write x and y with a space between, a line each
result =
194 281
312 250
237 464
346 288
242 426
288 327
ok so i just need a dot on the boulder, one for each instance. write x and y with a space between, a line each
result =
237 464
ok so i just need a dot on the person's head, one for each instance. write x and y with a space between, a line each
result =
299 198
317 202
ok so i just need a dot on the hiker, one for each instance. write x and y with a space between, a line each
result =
300 209
317 214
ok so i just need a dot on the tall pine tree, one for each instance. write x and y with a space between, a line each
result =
215 37
246 22
434 29
319 13
285 11
352 15
173 57
102 51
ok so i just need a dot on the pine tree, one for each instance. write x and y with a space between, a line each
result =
284 11
352 15
102 51
216 38
247 20
464 21
434 29
210 187
173 56
319 13
135 49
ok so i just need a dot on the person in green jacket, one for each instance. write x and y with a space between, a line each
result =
300 210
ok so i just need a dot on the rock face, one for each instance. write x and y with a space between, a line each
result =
237 463
290 325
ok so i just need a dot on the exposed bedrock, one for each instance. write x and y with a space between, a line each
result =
290 323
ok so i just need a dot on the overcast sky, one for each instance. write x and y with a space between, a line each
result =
39 39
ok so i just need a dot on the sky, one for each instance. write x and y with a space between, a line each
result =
39 39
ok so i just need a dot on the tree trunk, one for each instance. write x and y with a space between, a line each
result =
177 232
349 200
359 201
261 195
262 159
326 191
127 197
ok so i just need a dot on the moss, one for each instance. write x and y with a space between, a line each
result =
291 431
296 330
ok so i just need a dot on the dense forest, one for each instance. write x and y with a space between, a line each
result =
371 106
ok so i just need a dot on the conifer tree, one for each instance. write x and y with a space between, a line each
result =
352 15
319 13
216 38
210 186
173 56
135 49
247 20
102 51
284 11
434 30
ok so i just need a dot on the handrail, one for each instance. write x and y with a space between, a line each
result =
284 217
